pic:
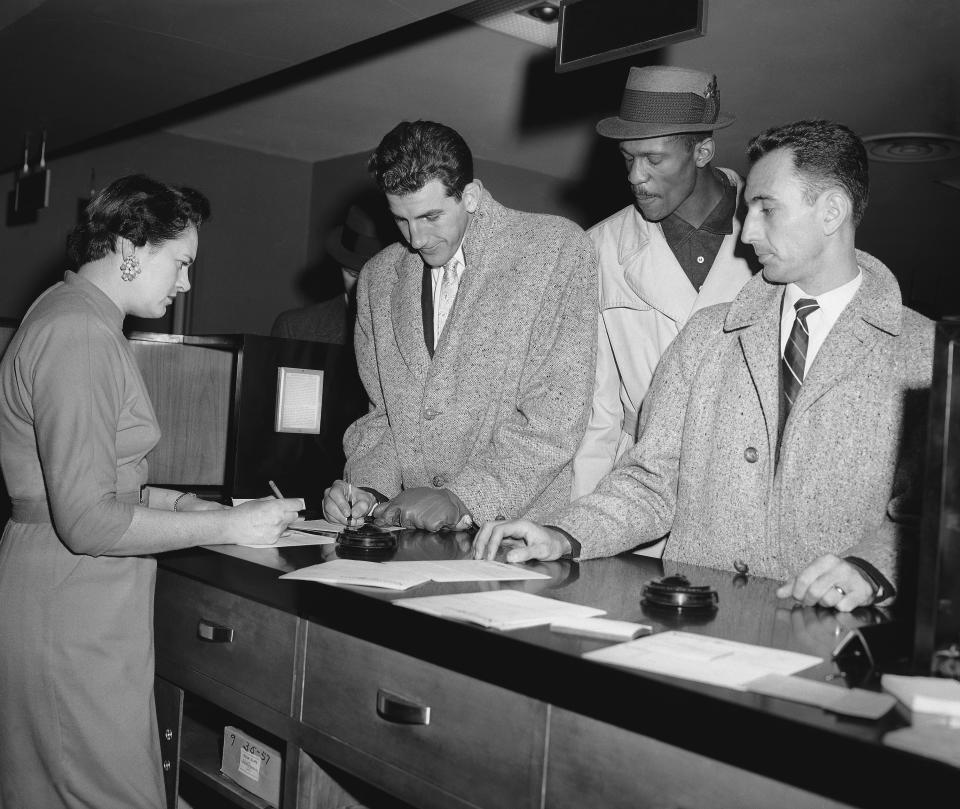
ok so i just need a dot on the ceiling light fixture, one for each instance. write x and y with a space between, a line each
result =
912 147
544 12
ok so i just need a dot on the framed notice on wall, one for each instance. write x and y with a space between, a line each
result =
299 400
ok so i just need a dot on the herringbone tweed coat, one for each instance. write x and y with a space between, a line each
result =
704 467
498 412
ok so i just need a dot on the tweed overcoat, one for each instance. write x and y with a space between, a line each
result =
645 300
704 467
498 411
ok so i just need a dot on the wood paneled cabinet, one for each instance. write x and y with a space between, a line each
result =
359 724
216 399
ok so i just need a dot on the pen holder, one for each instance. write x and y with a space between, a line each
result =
366 542
676 593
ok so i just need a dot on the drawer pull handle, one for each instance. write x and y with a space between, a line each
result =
214 633
400 710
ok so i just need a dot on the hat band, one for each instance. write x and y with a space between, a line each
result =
359 243
644 106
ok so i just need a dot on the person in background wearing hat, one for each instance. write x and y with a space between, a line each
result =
783 432
672 252
351 244
475 341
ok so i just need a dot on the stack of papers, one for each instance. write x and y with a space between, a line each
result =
925 695
403 575
499 609
704 659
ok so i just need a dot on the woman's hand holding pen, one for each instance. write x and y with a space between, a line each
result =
346 504
261 521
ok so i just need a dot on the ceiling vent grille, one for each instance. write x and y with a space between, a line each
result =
912 147
512 18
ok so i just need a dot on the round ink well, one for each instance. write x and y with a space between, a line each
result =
366 541
675 593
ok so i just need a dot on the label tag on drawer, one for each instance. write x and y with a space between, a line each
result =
254 766
249 764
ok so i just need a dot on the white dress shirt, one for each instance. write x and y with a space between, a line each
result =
820 321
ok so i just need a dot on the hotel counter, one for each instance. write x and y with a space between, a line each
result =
520 718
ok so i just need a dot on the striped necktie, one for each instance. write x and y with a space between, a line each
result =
795 353
448 293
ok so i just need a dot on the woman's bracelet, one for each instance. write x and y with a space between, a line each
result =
180 497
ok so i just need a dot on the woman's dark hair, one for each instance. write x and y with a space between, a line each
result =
137 208
824 153
412 154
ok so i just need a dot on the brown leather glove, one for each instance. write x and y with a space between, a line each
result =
424 507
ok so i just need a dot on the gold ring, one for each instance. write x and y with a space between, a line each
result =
840 590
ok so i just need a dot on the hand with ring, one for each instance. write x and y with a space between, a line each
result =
830 582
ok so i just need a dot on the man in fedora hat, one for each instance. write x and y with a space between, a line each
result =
476 343
672 252
351 245
783 432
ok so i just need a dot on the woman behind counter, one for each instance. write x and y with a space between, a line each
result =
77 720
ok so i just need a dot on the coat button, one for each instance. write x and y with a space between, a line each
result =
751 454
430 414
439 481
740 566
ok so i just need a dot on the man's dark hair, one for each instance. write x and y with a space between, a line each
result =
137 208
412 154
824 154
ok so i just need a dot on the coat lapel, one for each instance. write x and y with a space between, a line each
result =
407 315
875 309
472 284
653 272
756 312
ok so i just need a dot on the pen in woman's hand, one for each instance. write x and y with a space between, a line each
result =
350 503
276 491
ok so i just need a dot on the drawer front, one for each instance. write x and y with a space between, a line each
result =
595 764
240 643
478 742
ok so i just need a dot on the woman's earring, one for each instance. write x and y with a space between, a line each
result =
129 268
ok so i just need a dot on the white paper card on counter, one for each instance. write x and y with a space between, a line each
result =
452 570
600 628
292 538
931 695
239 501
703 659
499 609
356 572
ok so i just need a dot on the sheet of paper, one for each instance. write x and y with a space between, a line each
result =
367 574
934 695
703 659
335 527
856 702
499 609
448 570
291 539
238 501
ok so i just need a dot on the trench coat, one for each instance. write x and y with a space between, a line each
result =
645 300
498 412
705 465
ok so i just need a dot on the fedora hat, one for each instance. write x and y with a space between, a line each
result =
666 101
356 241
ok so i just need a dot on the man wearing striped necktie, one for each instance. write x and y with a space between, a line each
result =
783 432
